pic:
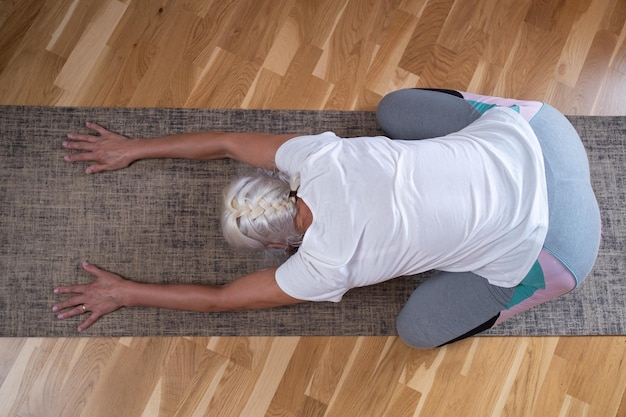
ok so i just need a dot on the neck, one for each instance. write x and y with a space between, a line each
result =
304 217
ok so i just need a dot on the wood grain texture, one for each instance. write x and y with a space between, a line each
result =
311 54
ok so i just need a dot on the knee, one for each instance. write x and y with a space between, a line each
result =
387 111
399 111
416 332
419 114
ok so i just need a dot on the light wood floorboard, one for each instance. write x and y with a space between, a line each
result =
311 54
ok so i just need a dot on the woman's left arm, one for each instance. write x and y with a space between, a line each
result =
109 292
108 151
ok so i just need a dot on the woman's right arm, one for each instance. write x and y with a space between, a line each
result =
108 151
109 292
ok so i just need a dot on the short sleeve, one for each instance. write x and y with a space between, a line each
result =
292 154
306 280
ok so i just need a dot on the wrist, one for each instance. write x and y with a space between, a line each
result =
128 294
134 150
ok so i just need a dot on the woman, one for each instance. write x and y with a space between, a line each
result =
497 197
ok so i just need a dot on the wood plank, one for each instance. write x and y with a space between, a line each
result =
578 44
311 54
85 55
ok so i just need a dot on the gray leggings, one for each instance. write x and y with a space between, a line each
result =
451 306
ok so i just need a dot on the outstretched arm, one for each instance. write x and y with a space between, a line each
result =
109 292
108 151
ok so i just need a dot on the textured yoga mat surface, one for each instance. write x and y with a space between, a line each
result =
157 221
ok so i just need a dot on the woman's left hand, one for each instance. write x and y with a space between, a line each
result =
102 296
107 151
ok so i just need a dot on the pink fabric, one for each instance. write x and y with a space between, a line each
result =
558 279
528 109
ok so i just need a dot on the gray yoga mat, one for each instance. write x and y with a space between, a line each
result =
157 221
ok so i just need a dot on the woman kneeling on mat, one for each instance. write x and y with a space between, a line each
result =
493 193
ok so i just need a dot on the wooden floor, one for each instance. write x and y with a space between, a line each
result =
311 54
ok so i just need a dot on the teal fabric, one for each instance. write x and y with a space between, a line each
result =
483 107
533 281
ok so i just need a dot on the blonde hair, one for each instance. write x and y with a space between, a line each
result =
259 211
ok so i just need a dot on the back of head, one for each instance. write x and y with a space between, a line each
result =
258 212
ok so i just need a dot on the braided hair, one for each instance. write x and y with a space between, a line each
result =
259 210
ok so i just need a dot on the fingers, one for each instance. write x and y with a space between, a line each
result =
88 137
70 289
79 144
105 149
79 157
92 269
94 169
83 301
73 289
97 128
83 143
67 312
89 321
82 137
72 301
77 311
87 157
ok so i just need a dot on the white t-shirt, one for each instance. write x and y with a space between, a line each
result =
474 200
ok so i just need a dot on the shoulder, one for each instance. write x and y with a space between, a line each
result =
310 280
308 141
292 153
256 149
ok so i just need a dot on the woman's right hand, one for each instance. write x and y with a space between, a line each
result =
100 297
108 151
